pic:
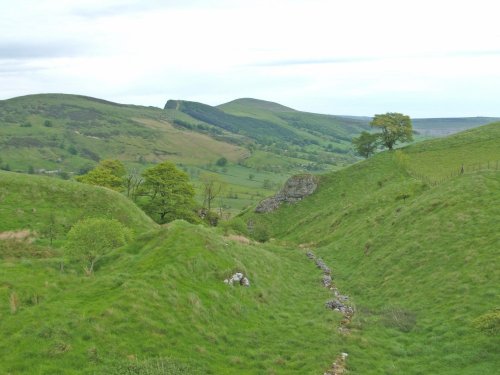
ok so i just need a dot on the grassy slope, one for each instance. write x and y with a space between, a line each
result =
419 270
472 148
27 202
430 259
96 129
163 296
311 137
327 128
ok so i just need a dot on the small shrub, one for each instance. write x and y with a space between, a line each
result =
236 225
489 323
90 239
260 233
72 150
64 175
221 162
212 218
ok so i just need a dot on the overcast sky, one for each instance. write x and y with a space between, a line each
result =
426 58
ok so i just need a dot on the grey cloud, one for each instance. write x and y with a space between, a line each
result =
13 67
362 59
37 50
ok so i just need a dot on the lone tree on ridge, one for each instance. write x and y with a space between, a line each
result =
396 127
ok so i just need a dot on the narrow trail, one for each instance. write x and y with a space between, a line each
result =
338 303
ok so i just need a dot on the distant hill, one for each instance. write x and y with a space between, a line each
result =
438 127
70 133
263 142
316 142
413 241
256 104
64 135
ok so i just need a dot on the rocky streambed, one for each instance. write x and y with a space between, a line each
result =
339 302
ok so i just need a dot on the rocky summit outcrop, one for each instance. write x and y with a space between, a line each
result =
295 189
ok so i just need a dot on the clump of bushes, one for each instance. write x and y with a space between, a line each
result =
261 233
90 239
236 225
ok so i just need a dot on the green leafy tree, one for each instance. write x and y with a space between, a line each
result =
212 186
108 173
168 193
366 144
72 150
133 182
396 127
90 239
221 162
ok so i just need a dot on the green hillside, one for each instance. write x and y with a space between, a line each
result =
419 260
66 135
328 127
315 141
34 202
161 302
69 133
248 104
263 142
475 149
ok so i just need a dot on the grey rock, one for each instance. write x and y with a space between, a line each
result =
321 265
238 278
339 306
334 304
295 189
327 281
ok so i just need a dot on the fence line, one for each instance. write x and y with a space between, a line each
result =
493 165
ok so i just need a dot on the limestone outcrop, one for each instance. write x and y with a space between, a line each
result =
295 189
